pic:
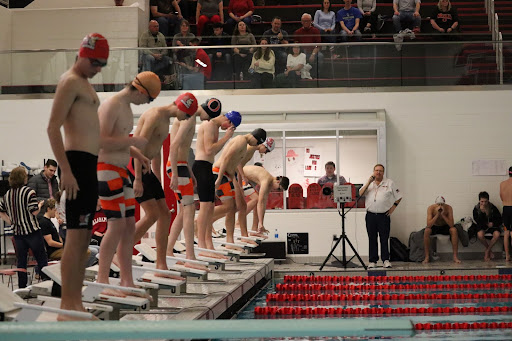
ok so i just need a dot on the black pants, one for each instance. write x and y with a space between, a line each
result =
378 225
262 80
34 242
372 19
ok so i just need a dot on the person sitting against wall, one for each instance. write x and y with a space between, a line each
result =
440 221
220 58
330 175
242 57
262 66
239 10
296 69
99 227
368 15
208 11
488 220
154 58
444 19
163 12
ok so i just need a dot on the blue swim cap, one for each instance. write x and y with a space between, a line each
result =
234 117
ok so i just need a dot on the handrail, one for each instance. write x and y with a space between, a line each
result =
499 51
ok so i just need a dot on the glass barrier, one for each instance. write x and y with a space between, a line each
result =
375 64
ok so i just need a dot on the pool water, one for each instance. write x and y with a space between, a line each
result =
474 334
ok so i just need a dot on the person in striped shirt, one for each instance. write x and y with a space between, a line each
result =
19 208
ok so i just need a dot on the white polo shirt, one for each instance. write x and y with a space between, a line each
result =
379 199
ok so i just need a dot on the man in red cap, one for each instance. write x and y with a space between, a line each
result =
154 126
75 107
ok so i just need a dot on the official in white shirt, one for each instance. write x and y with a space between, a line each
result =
382 198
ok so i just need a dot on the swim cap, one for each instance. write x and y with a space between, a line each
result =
94 46
440 200
234 117
260 135
213 107
148 83
187 103
269 144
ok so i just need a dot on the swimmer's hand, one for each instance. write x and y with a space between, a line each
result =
68 183
230 131
138 190
217 183
146 164
174 182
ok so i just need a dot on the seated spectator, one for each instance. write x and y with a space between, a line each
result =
163 12
349 18
242 57
263 67
444 18
220 58
183 39
440 221
275 36
488 220
369 16
309 34
296 69
99 225
208 11
330 175
325 21
407 12
202 69
239 10
60 204
154 59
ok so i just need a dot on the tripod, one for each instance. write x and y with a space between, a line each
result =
344 263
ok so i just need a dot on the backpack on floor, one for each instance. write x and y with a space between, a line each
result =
416 247
398 251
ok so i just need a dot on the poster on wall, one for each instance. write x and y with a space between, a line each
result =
312 162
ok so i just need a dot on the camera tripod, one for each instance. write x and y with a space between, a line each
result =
344 262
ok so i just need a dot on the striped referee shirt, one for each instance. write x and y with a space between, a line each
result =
18 204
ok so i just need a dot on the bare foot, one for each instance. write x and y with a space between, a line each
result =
507 258
197 266
211 255
248 241
236 248
113 292
136 294
263 230
456 260
179 278
426 261
257 234
487 256
64 318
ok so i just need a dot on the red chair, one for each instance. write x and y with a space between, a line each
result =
275 200
314 196
295 197
10 273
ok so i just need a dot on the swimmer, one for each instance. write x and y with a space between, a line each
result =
506 198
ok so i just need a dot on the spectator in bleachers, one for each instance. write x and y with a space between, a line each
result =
349 18
263 66
154 59
407 12
296 69
444 18
163 12
488 220
220 58
60 204
239 10
99 225
183 39
330 175
242 57
276 36
325 21
369 16
309 34
208 11
202 69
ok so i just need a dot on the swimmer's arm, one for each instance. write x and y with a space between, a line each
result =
262 201
241 174
5 218
65 96
228 155
449 219
211 147
431 216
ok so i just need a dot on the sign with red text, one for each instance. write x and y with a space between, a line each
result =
312 163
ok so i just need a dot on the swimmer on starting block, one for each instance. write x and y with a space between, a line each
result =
115 187
75 107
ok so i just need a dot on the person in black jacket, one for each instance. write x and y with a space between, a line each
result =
45 184
488 220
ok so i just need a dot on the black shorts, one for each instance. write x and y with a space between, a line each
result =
205 181
152 187
80 212
445 230
490 230
507 217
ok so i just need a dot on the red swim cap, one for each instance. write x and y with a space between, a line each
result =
95 46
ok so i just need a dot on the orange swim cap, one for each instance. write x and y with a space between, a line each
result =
94 46
148 83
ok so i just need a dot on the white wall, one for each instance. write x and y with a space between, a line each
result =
432 138
5 45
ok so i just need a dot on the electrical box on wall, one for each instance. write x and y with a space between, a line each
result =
298 243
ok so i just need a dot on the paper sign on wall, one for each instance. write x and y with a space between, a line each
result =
312 162
489 167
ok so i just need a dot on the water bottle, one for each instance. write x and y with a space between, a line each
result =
276 234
